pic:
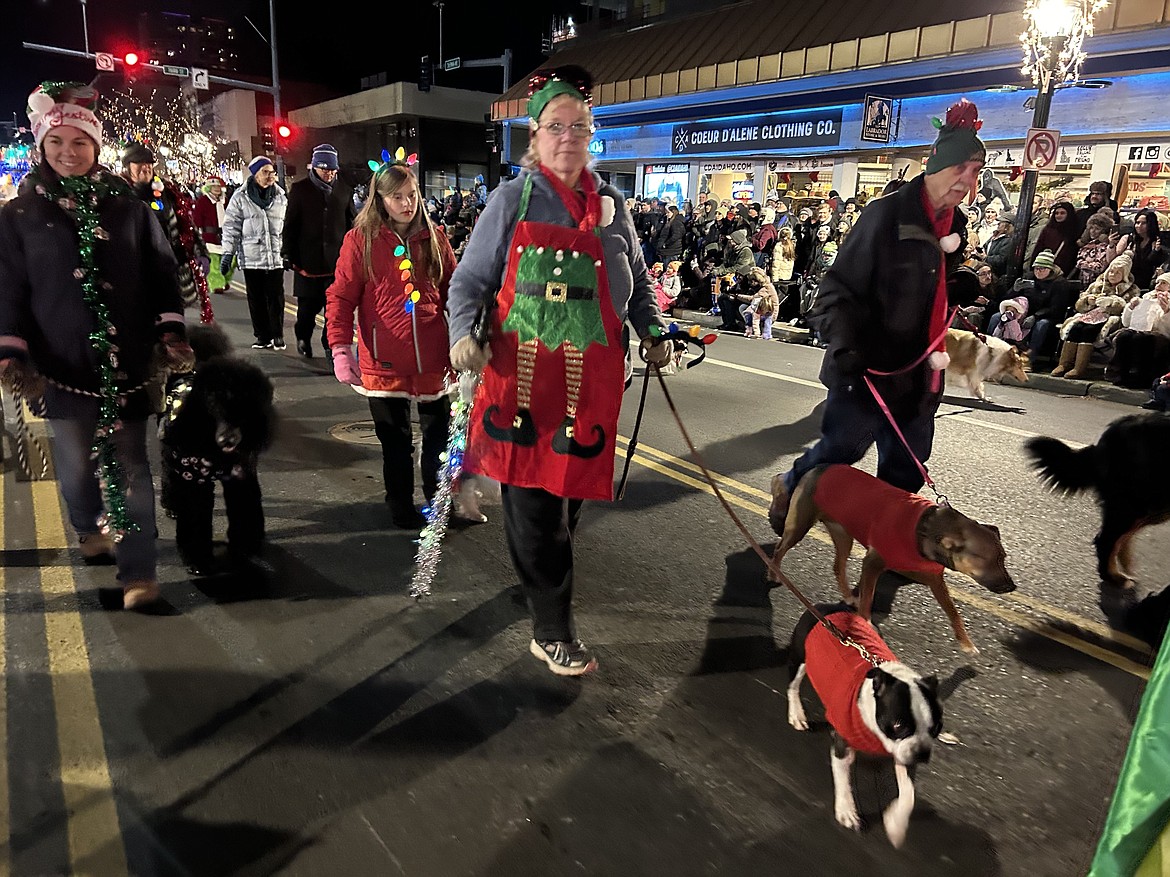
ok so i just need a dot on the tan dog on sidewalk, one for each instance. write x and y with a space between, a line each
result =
904 532
974 361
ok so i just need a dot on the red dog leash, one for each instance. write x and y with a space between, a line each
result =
941 497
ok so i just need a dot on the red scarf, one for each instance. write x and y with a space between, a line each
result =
938 311
583 206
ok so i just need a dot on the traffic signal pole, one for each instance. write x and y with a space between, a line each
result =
276 117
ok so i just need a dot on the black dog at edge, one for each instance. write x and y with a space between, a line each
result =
216 422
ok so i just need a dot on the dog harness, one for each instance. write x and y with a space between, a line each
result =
837 672
878 515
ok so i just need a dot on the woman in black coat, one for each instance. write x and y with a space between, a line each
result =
1059 236
88 289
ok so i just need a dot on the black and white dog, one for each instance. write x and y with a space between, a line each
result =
887 710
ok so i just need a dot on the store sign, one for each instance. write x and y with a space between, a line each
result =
807 128
597 147
725 167
667 169
876 115
801 164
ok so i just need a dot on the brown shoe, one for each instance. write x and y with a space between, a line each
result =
140 594
97 549
778 510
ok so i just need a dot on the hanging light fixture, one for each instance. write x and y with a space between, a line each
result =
1053 42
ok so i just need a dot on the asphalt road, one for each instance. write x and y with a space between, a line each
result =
322 722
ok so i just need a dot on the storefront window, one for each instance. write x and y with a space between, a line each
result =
666 182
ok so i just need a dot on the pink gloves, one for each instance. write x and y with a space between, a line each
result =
345 367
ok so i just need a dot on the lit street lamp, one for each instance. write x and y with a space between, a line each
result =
1053 55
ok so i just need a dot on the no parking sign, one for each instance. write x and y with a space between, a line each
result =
1041 149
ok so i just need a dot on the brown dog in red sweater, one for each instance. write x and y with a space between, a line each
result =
904 532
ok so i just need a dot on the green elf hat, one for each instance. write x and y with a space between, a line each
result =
544 85
957 139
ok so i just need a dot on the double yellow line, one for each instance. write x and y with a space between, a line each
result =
92 827
752 499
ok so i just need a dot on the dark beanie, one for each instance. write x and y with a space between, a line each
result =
136 153
957 139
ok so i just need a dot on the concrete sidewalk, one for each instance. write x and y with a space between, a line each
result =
1094 388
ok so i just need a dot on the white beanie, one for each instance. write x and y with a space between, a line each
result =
67 104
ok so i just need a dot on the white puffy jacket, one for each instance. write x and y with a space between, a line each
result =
251 232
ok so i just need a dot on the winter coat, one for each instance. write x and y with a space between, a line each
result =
483 266
999 253
765 238
174 212
314 225
671 239
1061 238
769 300
1048 299
43 316
207 218
1146 261
1147 314
1092 260
1102 304
741 260
400 352
874 305
252 233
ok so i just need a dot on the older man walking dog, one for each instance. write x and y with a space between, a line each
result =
883 309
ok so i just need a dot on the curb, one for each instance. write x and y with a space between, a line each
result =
1045 383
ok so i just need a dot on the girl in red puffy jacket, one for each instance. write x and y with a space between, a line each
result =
393 271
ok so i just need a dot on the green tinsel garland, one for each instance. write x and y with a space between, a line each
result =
81 198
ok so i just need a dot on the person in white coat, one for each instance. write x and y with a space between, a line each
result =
252 228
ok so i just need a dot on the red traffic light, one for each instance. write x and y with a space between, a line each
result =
130 59
284 131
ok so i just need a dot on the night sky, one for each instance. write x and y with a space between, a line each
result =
337 46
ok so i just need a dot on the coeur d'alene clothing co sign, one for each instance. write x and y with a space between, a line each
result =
754 133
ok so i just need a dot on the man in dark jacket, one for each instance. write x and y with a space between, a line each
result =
320 212
883 308
1100 195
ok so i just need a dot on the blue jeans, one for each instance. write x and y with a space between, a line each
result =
852 423
1037 340
72 439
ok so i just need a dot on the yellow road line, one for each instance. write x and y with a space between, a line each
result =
691 467
95 837
958 592
5 810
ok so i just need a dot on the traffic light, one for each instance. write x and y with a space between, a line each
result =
490 134
425 73
131 64
268 141
284 134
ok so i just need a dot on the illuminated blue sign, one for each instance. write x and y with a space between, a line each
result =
597 147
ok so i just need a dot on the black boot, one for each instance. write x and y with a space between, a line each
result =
522 431
563 441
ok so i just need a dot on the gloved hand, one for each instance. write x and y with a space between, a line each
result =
467 355
227 264
20 373
204 264
657 352
345 367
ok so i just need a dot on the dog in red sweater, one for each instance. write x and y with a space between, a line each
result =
904 532
884 709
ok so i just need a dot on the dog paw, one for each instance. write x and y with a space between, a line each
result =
968 648
896 821
847 815
798 720
851 601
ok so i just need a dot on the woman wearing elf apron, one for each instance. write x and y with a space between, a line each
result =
564 271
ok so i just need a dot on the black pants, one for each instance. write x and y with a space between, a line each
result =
193 503
392 426
1138 358
266 303
539 527
852 423
310 295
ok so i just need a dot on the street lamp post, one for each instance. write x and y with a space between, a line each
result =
439 4
1053 54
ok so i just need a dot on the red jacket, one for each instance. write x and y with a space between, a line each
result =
837 672
877 515
206 219
400 352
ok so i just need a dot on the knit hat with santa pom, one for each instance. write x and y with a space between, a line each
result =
957 139
57 104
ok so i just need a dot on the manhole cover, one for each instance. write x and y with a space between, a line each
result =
360 432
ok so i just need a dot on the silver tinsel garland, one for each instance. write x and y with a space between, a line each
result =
439 513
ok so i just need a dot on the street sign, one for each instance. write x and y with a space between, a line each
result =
876 118
104 61
200 78
1041 149
176 71
452 63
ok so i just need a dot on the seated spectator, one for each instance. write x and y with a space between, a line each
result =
1141 349
1146 249
669 288
998 249
1060 236
1159 395
762 302
1098 316
1013 324
1049 298
1099 245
